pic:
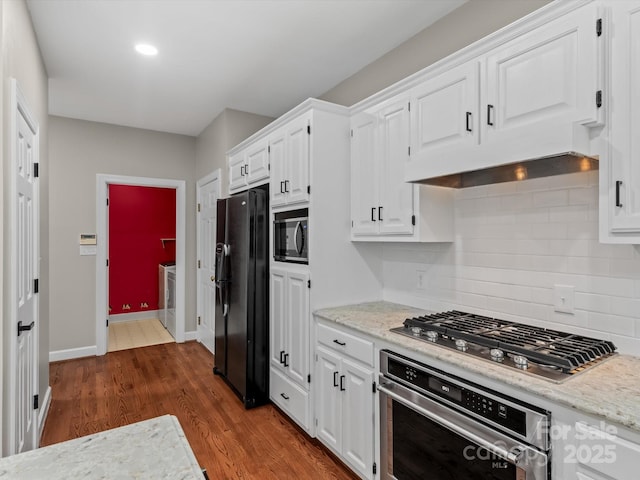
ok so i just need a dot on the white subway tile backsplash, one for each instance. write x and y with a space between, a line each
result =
514 242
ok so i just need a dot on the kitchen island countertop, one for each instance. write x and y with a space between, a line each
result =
610 390
152 449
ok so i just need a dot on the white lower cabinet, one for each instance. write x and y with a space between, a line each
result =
344 397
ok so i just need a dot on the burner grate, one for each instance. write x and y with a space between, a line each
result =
540 345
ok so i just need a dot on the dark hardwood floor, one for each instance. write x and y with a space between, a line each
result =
98 393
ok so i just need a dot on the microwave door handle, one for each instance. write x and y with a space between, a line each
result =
512 457
299 233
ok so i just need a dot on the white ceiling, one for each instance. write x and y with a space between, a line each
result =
260 56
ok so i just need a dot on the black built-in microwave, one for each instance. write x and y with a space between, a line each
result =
291 236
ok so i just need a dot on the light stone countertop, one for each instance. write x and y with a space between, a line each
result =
610 390
151 449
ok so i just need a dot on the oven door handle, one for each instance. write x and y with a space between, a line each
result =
511 457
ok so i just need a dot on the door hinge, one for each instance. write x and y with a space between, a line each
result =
375 468
409 150
36 169
107 202
36 401
373 387
269 166
107 322
351 223
309 129
198 263
269 149
36 285
409 106
599 98
198 320
107 262
198 208
599 27
352 133
309 189
316 422
309 378
308 283
413 220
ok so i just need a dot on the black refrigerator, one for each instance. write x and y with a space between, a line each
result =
242 295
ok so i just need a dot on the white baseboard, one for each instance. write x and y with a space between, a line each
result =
193 335
44 411
70 353
128 317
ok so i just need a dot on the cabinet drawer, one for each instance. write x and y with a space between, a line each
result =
346 343
290 398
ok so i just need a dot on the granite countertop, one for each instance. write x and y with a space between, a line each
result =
611 390
151 449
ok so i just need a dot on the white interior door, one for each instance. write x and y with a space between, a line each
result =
209 193
25 246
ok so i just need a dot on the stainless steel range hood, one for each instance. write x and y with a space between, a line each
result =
569 162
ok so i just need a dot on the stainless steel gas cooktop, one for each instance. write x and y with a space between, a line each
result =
550 354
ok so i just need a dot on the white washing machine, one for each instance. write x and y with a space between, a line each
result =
170 308
166 293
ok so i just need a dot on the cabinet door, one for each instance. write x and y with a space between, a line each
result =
328 398
297 160
297 298
364 175
444 116
623 208
257 162
276 158
395 203
357 414
277 318
543 79
237 177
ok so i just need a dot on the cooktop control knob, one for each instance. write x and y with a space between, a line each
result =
521 362
416 331
497 355
461 345
432 336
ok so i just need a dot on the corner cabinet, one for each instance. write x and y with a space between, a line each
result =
383 206
620 172
289 343
345 394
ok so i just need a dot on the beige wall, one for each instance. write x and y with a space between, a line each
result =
21 60
223 133
473 21
78 151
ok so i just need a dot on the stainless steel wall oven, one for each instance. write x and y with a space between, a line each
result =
440 427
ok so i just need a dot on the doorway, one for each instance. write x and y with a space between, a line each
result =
102 269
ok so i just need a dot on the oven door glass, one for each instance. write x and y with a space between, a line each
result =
419 449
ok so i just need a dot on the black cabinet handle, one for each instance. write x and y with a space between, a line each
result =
25 328
342 344
342 389
618 184
281 356
469 129
286 186
286 359
373 212
281 187
284 396
489 110
335 379
380 213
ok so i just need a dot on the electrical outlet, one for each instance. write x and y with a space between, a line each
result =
421 279
563 298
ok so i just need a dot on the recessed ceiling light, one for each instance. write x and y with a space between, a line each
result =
146 49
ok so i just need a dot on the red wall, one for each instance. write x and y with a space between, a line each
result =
138 218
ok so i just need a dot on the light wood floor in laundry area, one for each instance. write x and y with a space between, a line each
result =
137 333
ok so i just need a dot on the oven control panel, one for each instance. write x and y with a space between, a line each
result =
462 396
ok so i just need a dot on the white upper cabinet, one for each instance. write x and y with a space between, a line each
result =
249 167
445 113
290 170
620 173
383 206
531 96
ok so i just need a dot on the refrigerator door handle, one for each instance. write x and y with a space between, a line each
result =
225 309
